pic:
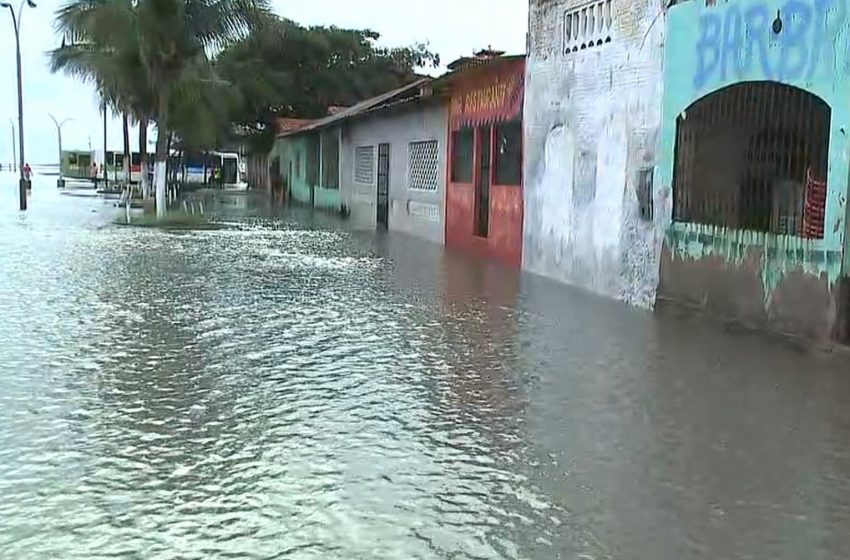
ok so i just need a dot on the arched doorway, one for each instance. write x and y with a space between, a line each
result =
753 156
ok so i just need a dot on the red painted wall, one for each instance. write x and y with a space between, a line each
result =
504 240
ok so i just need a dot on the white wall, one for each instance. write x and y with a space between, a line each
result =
416 212
592 122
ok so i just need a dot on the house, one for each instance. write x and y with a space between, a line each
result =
484 190
593 116
316 159
753 164
393 163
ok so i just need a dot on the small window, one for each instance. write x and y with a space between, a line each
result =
509 153
72 159
423 165
364 165
135 159
330 160
644 194
463 153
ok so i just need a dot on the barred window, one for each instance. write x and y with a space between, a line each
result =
423 165
587 26
364 165
753 156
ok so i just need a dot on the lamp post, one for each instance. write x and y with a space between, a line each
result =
23 184
60 182
14 149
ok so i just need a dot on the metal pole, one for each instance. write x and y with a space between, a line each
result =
14 147
105 169
22 182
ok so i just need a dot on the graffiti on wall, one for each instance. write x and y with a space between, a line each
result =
762 41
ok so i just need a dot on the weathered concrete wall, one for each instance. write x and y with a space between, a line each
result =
709 47
413 211
592 119
293 150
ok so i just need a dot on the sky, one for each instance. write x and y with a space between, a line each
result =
452 28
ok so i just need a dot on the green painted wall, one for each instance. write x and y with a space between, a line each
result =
711 47
293 149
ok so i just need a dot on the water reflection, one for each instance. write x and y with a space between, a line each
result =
283 387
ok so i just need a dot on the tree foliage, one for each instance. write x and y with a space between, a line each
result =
207 71
284 69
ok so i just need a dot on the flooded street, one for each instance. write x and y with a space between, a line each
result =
282 387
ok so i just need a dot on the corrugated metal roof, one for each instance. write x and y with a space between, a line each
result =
289 124
372 104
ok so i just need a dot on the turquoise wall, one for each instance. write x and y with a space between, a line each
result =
294 149
711 47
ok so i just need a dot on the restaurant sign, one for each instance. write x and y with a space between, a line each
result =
500 99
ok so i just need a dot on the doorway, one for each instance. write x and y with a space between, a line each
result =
482 184
383 185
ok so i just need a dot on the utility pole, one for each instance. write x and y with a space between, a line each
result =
23 183
14 149
105 169
59 182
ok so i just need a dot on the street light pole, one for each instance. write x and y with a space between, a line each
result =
16 21
59 182
14 148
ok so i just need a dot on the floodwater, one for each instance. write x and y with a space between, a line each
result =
285 388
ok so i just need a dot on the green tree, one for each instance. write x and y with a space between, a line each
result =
154 54
284 69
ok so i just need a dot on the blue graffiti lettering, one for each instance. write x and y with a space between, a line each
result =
708 48
730 40
758 19
797 17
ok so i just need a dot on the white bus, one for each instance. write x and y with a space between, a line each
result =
201 169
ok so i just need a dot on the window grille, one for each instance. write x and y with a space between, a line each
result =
364 165
423 165
753 156
587 26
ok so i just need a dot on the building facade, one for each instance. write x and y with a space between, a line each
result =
592 124
754 162
393 164
484 191
309 164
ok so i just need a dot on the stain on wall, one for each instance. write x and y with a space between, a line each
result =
802 43
592 120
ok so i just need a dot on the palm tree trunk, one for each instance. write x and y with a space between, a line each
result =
127 155
161 157
143 156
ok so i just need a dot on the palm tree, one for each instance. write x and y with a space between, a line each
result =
98 47
153 53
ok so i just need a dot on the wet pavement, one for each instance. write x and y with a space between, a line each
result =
285 388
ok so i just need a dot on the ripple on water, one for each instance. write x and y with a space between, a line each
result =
284 388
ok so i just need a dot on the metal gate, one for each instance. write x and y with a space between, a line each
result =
383 185
753 156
